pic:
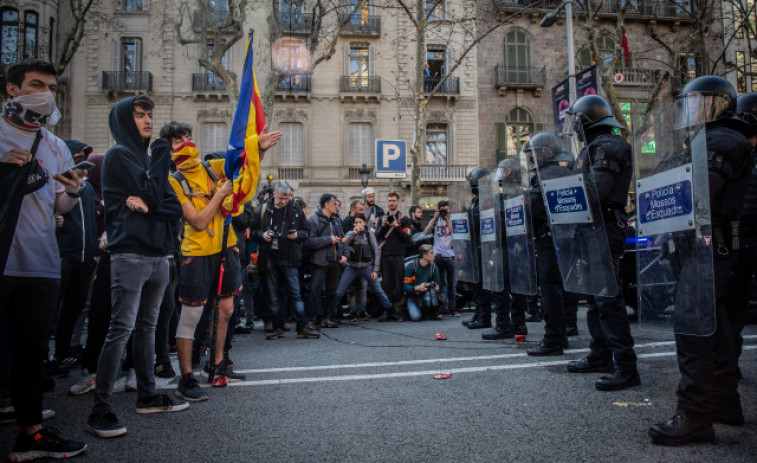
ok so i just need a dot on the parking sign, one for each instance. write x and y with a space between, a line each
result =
391 159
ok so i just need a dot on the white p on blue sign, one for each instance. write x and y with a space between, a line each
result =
391 159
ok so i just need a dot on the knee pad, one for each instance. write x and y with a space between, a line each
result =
190 317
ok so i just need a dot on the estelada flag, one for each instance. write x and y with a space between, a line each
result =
242 155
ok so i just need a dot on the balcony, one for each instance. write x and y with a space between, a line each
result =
442 173
360 87
296 22
206 82
127 81
202 19
449 87
639 77
294 87
639 9
519 79
360 26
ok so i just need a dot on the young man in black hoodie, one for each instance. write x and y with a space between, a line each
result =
141 219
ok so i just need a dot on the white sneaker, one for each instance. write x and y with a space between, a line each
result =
130 380
84 385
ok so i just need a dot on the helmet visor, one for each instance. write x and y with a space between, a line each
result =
696 109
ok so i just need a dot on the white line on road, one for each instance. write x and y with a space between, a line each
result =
267 382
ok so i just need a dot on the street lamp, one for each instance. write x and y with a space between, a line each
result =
548 20
365 175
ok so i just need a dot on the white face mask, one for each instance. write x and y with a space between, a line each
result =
33 109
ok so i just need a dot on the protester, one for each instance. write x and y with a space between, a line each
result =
30 279
444 255
422 285
393 240
373 213
416 214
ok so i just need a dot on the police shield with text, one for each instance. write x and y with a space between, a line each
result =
589 240
490 232
519 233
541 151
705 124
466 251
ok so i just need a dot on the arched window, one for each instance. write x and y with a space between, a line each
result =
606 48
517 57
31 31
518 127
8 36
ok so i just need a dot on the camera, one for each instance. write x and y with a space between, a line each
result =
430 299
390 218
429 284
443 213
274 234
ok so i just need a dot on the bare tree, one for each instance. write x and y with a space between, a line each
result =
462 30
214 27
80 11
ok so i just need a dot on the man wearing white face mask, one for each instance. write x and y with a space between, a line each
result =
30 279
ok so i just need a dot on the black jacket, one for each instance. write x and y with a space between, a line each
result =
77 238
261 223
321 230
129 171
611 158
397 241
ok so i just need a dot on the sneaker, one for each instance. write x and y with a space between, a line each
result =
275 334
130 381
189 389
72 361
223 369
354 317
242 329
104 425
363 316
328 323
8 415
44 443
307 333
164 370
161 403
54 370
84 385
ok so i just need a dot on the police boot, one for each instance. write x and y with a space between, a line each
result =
680 430
544 349
480 323
497 333
620 378
468 321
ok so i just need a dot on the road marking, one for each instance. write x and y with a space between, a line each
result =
404 374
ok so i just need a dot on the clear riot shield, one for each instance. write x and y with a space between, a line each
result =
519 234
463 236
578 230
490 231
676 288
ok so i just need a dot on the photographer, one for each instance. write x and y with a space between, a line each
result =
363 261
444 254
422 285
394 238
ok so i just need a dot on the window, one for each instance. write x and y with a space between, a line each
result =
360 149
291 12
740 71
8 36
131 6
517 57
738 20
606 48
292 145
51 42
215 137
436 144
224 62
435 10
359 66
519 127
131 55
360 11
687 66
436 57
753 66
31 28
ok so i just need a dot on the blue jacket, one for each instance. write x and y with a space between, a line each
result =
77 238
321 229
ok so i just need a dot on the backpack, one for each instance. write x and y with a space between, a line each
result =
185 184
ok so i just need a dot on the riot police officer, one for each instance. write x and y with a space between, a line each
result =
542 149
482 298
606 162
707 391
510 308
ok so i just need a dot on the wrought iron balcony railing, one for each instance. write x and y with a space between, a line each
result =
299 83
207 82
360 84
520 75
358 24
451 86
127 80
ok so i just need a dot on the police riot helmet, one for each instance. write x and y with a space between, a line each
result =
593 111
508 169
564 159
475 175
746 108
541 149
705 99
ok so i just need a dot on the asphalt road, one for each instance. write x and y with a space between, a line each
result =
366 392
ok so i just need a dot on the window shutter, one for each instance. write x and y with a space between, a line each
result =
501 135
367 146
371 59
138 55
346 59
538 127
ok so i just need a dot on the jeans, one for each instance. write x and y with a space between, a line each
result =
281 275
27 310
324 276
138 284
167 309
350 274
413 309
448 279
74 288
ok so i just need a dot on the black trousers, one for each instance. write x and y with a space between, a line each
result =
393 277
74 289
447 278
707 363
552 297
28 307
324 277
737 294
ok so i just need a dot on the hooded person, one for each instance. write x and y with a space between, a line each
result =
141 218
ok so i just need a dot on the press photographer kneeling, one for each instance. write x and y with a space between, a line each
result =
421 285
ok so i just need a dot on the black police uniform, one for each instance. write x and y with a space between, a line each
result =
708 387
606 162
548 271
482 316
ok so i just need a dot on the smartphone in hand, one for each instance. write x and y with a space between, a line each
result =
79 168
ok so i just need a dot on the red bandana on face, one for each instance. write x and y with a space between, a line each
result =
186 157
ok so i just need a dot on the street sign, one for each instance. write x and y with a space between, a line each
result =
391 159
